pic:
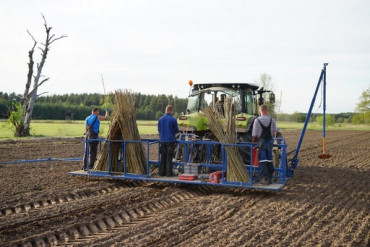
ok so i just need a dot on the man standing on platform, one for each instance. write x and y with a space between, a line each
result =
92 126
167 129
264 128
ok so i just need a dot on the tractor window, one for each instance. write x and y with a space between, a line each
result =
207 100
237 104
193 104
249 102
246 98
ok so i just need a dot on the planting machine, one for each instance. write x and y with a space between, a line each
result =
199 158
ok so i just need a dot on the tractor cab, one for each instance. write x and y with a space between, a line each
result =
246 98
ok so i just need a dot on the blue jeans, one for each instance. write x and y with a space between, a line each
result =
265 159
167 150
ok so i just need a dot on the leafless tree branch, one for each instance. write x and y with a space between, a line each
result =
61 37
34 40
41 94
30 71
42 82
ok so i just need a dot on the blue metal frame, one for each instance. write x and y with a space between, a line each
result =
39 160
294 161
253 184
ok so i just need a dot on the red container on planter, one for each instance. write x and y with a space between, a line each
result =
190 177
215 177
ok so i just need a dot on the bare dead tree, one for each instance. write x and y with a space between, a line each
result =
29 98
30 71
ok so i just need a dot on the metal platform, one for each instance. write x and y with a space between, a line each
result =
280 171
175 179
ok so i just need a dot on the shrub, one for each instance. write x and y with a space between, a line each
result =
330 120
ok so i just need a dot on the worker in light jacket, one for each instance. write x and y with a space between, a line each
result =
264 128
167 129
92 126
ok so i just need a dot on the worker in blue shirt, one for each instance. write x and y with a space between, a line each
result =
92 126
167 129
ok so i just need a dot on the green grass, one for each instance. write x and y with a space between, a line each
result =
60 128
317 126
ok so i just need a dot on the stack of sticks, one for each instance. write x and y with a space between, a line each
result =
224 130
123 126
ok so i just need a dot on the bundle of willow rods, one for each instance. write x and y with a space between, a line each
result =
124 126
224 130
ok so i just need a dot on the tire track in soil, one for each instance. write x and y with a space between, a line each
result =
190 229
145 224
52 219
69 197
147 230
78 233
194 232
167 226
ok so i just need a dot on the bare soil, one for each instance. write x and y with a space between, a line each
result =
326 203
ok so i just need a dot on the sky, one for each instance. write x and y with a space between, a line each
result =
156 47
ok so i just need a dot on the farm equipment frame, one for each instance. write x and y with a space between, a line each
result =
279 179
282 172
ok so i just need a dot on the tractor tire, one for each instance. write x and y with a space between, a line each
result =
245 152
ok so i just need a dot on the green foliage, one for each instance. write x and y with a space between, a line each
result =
299 117
16 120
159 114
329 119
78 106
107 103
3 109
364 105
363 109
361 118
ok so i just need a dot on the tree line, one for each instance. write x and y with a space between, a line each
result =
151 107
78 106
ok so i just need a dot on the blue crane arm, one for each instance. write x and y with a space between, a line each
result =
294 161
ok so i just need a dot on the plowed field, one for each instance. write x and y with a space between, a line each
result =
326 203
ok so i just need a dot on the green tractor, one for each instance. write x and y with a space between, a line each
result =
246 99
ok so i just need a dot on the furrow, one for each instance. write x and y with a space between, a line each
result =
217 219
245 210
248 213
78 234
155 221
318 211
351 216
73 196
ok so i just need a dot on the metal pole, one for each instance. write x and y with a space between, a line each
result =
324 113
295 158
